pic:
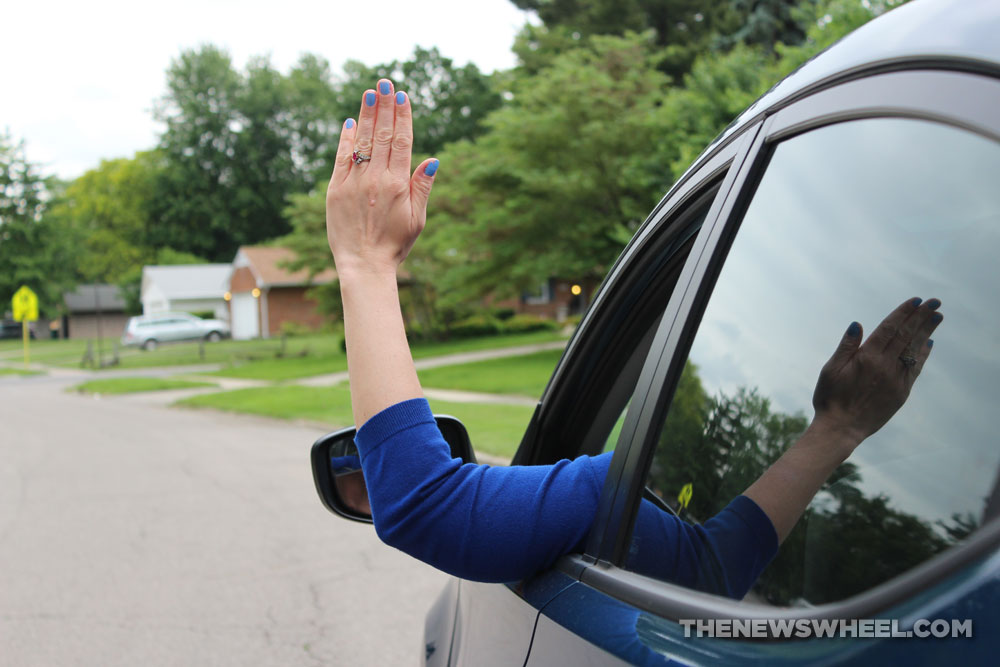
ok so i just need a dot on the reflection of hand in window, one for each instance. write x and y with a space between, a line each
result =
859 389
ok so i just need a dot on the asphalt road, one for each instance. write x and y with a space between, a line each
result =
135 534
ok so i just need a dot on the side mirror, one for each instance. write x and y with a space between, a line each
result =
336 467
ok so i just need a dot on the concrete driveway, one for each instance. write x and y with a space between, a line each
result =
133 534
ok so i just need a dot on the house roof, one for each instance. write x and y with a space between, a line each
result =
188 281
87 298
266 262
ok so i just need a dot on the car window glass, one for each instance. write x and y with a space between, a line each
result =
847 222
644 313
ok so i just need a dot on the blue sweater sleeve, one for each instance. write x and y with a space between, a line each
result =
499 524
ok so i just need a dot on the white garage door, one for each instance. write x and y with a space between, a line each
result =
246 320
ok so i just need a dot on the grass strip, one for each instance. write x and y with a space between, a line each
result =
526 375
494 429
133 385
325 356
18 371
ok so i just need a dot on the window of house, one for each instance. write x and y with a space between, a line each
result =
541 295
847 222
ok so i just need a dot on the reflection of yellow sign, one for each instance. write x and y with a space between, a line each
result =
25 305
684 497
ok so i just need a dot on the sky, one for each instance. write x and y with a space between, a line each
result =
80 78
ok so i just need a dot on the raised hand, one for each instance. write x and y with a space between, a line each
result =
374 209
863 385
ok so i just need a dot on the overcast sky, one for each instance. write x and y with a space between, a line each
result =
79 78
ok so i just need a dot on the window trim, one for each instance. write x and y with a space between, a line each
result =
611 511
908 94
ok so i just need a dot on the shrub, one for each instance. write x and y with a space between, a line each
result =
292 329
503 314
204 314
525 323
477 325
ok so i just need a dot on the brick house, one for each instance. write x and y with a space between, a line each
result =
263 294
554 299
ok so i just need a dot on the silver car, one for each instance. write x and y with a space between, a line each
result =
148 331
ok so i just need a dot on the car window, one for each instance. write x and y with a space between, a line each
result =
604 375
848 221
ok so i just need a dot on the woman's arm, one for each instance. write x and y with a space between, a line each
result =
859 389
374 212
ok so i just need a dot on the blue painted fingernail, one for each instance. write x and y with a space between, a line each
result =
934 304
854 329
349 123
916 301
431 168
930 342
400 98
370 99
936 318
383 87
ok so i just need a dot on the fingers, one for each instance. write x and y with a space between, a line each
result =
384 123
887 330
915 330
342 165
366 125
402 138
420 188
848 345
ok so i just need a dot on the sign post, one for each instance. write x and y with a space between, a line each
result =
25 305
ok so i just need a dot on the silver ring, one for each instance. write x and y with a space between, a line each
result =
908 360
358 157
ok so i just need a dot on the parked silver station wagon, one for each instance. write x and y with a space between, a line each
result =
149 331
870 175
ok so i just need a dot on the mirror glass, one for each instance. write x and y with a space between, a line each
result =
337 467
348 480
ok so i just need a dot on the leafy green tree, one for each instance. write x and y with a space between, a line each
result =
108 210
35 247
227 156
683 30
562 178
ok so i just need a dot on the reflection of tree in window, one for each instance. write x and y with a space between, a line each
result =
721 444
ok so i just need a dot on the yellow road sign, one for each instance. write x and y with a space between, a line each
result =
684 497
25 304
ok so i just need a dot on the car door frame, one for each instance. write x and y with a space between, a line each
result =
917 91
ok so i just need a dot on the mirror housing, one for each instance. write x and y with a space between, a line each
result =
336 467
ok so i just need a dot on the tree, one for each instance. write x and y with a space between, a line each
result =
108 209
35 249
227 156
682 29
564 175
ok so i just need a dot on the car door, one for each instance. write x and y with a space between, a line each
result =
844 204
494 623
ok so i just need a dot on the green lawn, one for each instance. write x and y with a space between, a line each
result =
324 355
54 352
132 385
494 429
525 375
18 371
